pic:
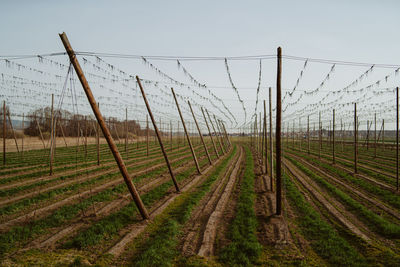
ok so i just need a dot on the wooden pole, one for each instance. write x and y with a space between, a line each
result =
265 139
52 134
186 132
62 131
397 138
271 147
355 137
106 132
278 135
209 132
226 133
219 132
4 132
215 132
223 130
201 136
158 135
333 137
12 130
40 132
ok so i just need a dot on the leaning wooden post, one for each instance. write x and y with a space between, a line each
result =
278 136
106 132
219 132
271 147
333 137
4 132
215 132
201 136
397 138
52 134
147 135
12 130
186 132
158 135
226 133
355 137
209 132
62 131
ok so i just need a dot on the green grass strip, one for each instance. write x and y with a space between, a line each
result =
374 221
323 238
160 248
244 248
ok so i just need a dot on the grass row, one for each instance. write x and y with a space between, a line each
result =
160 249
244 248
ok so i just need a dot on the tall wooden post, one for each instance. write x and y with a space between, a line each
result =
178 135
333 137
52 134
265 138
271 147
106 132
255 133
259 134
201 136
278 136
215 132
209 132
397 138
355 137
186 132
4 132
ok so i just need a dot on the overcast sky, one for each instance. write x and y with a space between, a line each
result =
361 31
